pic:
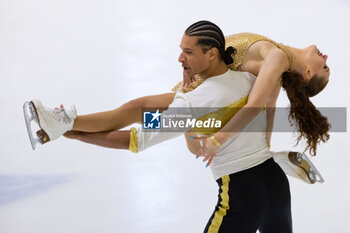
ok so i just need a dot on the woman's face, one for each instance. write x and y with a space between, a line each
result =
316 63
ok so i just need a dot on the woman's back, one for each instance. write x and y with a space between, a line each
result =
243 43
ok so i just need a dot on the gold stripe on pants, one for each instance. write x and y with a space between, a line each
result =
223 207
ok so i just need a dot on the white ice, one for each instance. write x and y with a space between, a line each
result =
100 54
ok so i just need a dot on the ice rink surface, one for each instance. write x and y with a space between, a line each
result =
100 54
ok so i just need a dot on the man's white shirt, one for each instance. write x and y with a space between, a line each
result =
243 151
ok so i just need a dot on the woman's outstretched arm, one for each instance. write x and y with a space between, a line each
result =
274 64
270 112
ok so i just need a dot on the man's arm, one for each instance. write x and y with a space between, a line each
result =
139 140
143 139
109 139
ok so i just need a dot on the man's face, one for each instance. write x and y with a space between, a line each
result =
193 60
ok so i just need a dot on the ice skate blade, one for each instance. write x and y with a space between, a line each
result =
302 161
30 115
313 172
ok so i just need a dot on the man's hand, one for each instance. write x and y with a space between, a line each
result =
187 79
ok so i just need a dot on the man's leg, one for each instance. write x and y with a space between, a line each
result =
243 201
279 215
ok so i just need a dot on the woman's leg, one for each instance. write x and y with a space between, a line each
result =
127 114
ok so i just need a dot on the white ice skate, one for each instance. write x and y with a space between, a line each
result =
53 122
298 165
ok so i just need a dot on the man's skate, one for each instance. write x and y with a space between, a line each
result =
298 165
52 122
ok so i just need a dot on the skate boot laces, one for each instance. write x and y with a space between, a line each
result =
59 115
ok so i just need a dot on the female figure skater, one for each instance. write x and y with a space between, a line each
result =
302 72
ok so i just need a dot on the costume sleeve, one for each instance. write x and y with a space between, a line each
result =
141 139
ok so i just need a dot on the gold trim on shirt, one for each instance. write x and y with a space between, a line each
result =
133 144
224 114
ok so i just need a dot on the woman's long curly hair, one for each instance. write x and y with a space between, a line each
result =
310 123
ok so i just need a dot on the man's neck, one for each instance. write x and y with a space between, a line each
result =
215 70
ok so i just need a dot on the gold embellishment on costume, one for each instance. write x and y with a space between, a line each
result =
216 142
241 42
197 80
222 208
224 114
291 58
133 144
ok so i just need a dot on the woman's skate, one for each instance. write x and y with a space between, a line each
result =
298 165
52 122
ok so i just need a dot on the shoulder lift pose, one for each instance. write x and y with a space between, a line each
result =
301 72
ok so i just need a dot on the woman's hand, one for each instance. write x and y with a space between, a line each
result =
208 149
187 79
72 134
61 106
